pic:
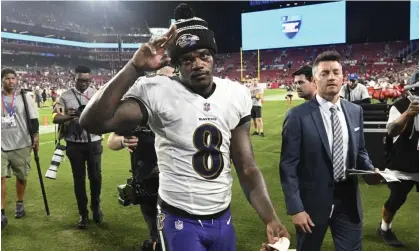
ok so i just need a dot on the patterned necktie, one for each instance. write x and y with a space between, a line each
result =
337 149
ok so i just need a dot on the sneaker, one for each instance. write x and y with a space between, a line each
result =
83 222
262 134
3 221
147 246
97 215
20 210
255 133
389 237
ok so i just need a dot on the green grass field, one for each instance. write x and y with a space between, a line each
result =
124 228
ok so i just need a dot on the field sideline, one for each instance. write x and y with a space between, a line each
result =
124 228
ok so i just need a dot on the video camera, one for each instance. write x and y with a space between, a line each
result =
144 182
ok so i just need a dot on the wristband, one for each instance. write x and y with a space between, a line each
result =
122 143
139 71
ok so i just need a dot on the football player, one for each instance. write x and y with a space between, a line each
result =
198 119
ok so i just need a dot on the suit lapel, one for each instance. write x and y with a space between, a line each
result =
351 136
318 121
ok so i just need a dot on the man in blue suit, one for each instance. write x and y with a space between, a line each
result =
321 140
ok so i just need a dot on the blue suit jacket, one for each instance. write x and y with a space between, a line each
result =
306 167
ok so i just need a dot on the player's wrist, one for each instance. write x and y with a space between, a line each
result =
140 72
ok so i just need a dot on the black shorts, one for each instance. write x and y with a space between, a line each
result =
398 194
256 112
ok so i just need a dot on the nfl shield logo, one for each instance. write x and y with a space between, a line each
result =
207 107
291 25
179 225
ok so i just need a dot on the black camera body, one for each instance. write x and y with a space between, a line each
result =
144 182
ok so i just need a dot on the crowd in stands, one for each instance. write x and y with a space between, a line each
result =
50 66
49 16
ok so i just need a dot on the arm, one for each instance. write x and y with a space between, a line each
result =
58 114
115 142
250 177
363 160
32 113
290 159
105 112
397 122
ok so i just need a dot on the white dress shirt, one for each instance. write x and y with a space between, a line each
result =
327 121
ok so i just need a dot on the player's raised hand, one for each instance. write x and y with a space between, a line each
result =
150 55
275 230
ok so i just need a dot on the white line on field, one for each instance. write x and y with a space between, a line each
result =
46 142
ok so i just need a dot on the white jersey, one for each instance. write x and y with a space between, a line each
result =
193 139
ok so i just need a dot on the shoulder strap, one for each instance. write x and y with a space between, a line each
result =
89 138
75 95
348 92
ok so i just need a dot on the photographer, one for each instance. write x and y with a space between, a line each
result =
402 159
16 145
140 144
82 147
355 92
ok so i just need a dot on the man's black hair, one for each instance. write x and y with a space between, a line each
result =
326 56
6 71
306 71
82 69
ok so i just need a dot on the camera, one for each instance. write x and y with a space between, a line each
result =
55 162
134 193
144 182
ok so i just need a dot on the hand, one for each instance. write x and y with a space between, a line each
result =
413 109
275 230
149 56
72 112
35 145
265 247
130 143
78 113
373 179
302 222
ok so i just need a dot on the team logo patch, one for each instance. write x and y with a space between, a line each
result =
187 40
160 221
207 107
291 25
179 225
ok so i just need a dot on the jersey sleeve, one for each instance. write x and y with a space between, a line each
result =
141 92
245 107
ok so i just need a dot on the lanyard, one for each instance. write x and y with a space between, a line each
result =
86 96
11 111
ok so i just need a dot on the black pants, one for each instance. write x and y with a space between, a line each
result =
79 154
398 194
149 210
345 224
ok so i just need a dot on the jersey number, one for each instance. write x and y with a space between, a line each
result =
207 140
